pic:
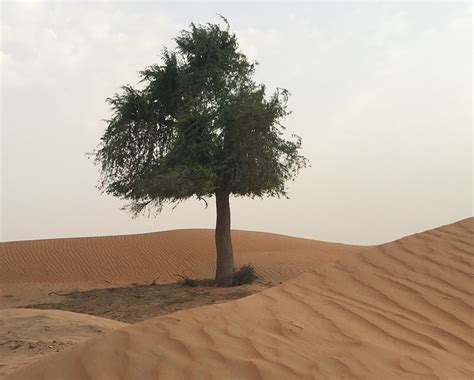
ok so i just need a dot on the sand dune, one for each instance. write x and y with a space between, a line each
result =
27 335
403 310
31 269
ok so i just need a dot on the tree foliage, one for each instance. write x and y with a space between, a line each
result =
199 124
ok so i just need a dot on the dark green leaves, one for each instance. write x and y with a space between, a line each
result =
200 125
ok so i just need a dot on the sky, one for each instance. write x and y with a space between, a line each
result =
381 94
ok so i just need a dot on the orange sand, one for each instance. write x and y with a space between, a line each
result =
403 310
29 270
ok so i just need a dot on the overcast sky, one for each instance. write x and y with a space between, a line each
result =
381 95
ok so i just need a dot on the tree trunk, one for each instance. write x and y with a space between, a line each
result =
225 256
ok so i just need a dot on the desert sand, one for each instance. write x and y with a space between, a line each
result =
27 335
30 270
43 271
402 310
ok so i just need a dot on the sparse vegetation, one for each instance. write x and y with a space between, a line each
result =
194 282
137 303
245 275
191 282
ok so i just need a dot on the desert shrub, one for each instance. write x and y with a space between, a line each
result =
186 281
245 275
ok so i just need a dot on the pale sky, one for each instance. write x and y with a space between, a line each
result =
381 96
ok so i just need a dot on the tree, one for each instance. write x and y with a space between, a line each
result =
199 126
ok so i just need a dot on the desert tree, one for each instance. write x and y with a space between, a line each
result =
198 125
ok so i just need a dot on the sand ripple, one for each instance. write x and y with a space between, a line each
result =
95 261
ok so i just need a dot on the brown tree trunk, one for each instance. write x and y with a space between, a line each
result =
225 256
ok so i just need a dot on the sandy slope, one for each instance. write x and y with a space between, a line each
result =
27 335
403 310
31 269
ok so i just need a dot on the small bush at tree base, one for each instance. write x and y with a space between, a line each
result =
245 275
186 281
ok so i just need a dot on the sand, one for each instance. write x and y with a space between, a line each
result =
30 270
403 310
87 269
27 335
